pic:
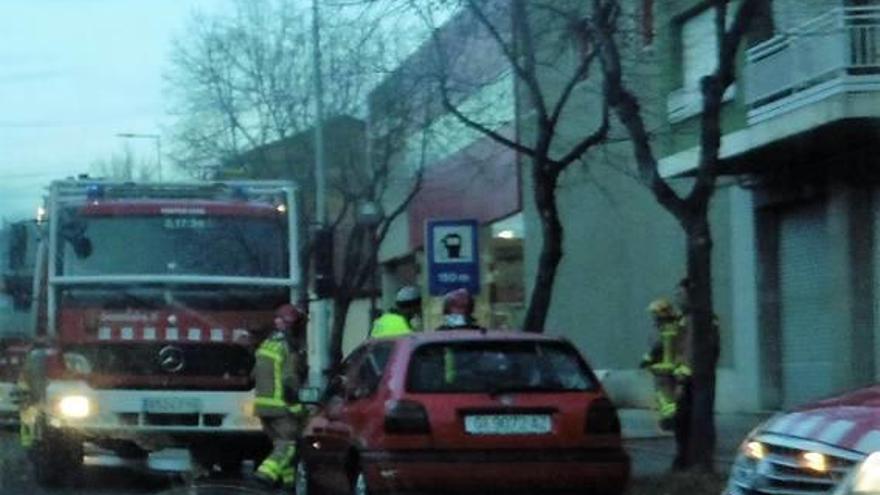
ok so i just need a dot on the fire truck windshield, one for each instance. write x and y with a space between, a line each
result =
174 245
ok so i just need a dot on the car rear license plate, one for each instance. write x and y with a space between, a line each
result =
507 424
172 405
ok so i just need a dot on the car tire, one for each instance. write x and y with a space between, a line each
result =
57 458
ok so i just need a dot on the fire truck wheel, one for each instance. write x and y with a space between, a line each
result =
57 458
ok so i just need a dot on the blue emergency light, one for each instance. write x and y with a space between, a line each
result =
95 192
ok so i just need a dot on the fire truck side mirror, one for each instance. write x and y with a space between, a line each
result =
325 283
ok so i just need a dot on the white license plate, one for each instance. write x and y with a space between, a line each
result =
507 424
172 405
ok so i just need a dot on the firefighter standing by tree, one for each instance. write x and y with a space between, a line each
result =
278 373
400 320
669 362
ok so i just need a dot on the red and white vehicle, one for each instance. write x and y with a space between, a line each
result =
810 449
151 299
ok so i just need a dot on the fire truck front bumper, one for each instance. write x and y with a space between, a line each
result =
160 417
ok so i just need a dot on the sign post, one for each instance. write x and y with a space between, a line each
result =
453 256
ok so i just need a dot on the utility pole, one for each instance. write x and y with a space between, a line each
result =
320 327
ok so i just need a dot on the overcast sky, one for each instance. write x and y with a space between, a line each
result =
73 74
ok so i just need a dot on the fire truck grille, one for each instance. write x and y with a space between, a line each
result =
189 419
169 360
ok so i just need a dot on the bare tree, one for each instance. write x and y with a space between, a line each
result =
691 208
517 32
368 186
244 97
123 166
241 81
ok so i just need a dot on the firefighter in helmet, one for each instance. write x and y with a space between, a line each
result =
458 311
400 320
278 374
458 314
668 360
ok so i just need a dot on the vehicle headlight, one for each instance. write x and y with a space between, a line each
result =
754 450
814 461
74 407
864 479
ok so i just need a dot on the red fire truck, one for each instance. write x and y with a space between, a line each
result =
150 299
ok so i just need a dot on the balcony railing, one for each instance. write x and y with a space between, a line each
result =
836 52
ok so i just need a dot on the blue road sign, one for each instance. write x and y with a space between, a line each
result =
453 256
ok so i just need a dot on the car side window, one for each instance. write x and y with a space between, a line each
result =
371 369
344 375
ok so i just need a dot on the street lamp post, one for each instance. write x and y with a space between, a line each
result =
370 216
318 339
158 140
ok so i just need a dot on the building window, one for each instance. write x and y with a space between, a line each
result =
699 58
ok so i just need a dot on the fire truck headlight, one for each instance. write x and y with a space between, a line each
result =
74 407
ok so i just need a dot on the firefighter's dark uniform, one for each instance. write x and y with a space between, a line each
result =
277 375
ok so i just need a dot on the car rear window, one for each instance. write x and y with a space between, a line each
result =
497 367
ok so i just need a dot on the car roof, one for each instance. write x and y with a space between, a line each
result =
477 335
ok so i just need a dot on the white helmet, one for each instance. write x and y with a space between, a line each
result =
407 294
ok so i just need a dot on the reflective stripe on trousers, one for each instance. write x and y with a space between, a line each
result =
279 465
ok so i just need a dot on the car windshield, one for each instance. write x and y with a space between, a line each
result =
497 367
174 245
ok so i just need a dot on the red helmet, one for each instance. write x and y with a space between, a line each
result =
290 314
458 302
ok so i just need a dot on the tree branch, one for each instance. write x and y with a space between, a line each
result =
713 88
467 121
628 111
525 72
580 73
588 142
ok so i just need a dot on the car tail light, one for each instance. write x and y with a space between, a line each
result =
602 418
406 417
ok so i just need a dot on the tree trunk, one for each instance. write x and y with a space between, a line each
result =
551 248
701 447
337 331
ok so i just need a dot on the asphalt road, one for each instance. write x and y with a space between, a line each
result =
101 477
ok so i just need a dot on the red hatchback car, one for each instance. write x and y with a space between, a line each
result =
464 411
